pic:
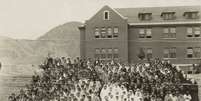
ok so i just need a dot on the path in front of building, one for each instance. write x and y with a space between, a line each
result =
197 77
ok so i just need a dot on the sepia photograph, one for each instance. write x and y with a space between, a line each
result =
100 50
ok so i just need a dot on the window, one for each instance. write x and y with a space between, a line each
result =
193 52
172 33
103 53
165 32
191 15
166 53
103 32
149 53
106 15
97 33
145 16
116 53
109 32
141 33
197 31
148 34
169 52
193 31
189 52
197 52
168 15
109 53
106 32
189 32
145 53
145 33
97 53
173 52
116 32
169 32
172 30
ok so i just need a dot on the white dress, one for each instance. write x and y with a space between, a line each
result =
187 97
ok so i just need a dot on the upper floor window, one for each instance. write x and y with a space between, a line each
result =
109 32
106 32
168 15
191 15
145 16
169 32
97 32
106 15
145 33
189 32
116 32
193 31
197 31
103 32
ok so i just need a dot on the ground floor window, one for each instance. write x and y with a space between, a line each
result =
103 53
149 53
106 53
116 53
145 53
97 53
169 52
110 55
193 52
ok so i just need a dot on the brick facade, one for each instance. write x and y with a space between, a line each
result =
129 27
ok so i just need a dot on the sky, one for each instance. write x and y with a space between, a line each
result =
29 19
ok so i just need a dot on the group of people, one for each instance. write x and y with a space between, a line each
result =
95 80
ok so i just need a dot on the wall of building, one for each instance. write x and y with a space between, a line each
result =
158 43
91 43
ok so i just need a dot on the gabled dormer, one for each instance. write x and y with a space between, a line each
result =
107 14
191 15
145 16
168 15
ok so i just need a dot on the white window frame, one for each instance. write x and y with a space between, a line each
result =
166 30
109 31
197 51
149 32
104 15
166 51
97 51
172 29
97 32
197 30
189 31
189 51
116 30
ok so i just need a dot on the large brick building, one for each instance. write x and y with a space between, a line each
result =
172 33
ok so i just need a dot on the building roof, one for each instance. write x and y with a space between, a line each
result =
132 13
